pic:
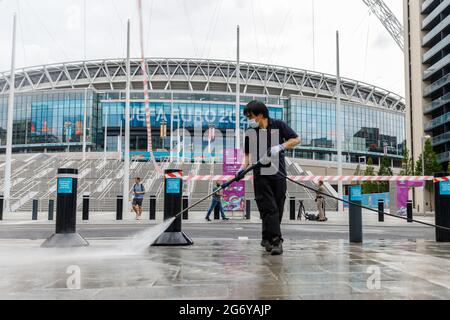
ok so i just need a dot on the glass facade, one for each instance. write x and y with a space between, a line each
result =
50 121
53 121
368 131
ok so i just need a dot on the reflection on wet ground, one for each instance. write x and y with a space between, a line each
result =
228 269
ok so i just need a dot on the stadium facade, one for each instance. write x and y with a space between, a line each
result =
50 104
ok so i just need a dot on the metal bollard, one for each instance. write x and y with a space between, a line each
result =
66 212
174 236
409 211
442 207
185 205
152 208
248 209
1 207
119 208
86 200
51 209
355 215
34 215
292 208
381 210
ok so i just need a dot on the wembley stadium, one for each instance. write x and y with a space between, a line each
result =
51 101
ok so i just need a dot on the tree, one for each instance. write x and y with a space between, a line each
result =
431 167
407 164
369 187
385 171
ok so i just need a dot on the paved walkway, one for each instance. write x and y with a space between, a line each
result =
227 270
370 218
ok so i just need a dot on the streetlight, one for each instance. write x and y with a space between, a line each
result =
427 137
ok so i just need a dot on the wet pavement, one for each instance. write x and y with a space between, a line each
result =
227 269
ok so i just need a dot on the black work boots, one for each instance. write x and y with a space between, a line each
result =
275 248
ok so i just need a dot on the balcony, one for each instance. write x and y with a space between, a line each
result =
429 5
435 32
437 85
439 121
443 138
436 67
436 49
443 157
430 21
438 103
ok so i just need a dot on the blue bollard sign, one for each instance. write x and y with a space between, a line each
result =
173 185
356 193
444 188
65 185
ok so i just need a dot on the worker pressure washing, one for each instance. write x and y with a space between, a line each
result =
267 134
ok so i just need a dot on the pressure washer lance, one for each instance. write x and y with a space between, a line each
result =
361 206
265 160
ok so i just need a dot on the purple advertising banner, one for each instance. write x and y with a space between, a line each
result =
403 194
233 196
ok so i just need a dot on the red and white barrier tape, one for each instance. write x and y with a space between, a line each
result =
329 178
174 175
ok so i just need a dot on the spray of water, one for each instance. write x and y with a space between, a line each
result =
142 240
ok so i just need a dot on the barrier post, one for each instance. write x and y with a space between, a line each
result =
380 210
1 207
409 211
173 236
119 208
86 199
51 209
185 205
34 214
292 208
248 209
66 212
153 207
442 207
355 215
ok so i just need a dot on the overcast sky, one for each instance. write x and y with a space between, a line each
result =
272 31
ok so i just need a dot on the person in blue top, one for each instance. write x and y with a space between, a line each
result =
216 202
138 192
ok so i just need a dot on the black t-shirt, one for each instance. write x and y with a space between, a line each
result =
252 147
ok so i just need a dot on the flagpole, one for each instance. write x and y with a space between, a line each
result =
126 170
171 127
238 91
339 124
84 124
9 128
106 134
178 140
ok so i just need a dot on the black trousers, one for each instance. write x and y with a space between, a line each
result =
270 196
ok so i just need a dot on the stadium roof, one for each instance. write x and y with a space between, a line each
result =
198 75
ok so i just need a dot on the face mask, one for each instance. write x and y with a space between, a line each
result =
253 124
